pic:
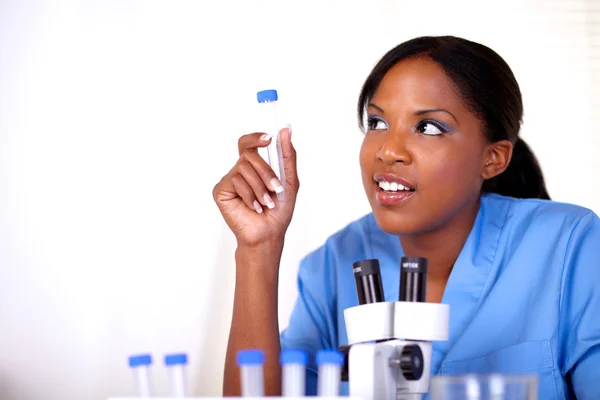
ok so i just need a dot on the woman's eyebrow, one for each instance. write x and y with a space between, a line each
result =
420 112
377 108
435 110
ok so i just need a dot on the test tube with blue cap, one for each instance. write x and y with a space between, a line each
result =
251 364
176 364
293 372
330 364
140 364
268 100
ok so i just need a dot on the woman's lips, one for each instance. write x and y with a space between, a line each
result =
390 198
393 178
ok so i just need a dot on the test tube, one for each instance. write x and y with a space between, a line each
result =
140 364
330 366
293 373
268 100
251 372
176 364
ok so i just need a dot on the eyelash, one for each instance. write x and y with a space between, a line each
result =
372 120
442 127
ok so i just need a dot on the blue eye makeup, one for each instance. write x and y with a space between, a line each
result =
432 127
429 127
376 123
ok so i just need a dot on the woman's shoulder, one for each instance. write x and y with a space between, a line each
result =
539 212
542 229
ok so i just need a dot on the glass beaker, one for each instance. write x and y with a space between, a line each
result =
484 387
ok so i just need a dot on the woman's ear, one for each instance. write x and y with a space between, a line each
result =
497 158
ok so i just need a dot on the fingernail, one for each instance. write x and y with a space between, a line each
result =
257 207
269 201
289 126
265 137
276 185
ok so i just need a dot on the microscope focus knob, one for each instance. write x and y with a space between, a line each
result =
411 362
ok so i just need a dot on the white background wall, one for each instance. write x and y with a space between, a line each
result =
118 117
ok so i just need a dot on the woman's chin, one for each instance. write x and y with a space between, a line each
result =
396 224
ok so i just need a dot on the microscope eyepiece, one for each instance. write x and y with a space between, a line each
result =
413 279
367 276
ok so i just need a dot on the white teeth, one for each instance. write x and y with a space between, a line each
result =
392 186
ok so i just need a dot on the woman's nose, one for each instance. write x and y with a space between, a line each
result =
394 149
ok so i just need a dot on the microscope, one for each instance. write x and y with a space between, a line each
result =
388 356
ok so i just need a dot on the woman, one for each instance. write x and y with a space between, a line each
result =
449 179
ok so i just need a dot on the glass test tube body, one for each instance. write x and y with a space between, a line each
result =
252 380
141 378
329 380
293 379
178 380
271 124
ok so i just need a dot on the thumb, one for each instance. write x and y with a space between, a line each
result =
289 156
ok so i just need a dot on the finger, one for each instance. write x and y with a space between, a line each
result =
289 156
252 178
264 170
253 141
246 193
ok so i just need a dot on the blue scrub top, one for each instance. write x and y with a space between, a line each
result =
524 295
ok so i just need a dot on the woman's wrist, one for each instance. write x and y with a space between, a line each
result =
259 261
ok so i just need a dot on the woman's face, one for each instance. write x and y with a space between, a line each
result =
423 152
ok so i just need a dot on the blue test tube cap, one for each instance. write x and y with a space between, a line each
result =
176 359
289 356
140 359
330 357
250 357
267 95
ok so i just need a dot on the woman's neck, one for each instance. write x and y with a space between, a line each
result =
442 245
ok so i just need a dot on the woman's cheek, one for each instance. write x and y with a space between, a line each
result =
446 173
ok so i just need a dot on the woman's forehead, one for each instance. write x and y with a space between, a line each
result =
416 83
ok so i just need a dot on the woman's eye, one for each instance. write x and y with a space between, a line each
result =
376 124
430 128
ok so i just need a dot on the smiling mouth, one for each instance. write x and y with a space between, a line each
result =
393 187
389 192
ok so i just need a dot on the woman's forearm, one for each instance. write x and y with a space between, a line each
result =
255 323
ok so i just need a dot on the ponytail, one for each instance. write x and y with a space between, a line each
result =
522 179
